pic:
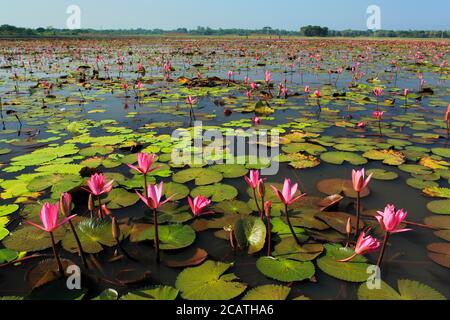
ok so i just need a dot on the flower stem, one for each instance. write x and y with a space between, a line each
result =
156 238
290 224
262 206
100 207
386 239
145 186
349 258
269 237
257 204
358 213
80 247
58 260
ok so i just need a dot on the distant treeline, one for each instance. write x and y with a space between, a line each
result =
308 31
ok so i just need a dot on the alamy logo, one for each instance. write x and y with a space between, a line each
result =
74 278
74 20
374 280
374 20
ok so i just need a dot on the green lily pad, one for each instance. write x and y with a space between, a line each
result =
201 176
389 157
438 222
31 239
8 209
121 198
93 236
8 255
285 270
171 212
337 186
408 290
443 152
341 157
208 282
268 292
171 237
250 232
59 183
160 293
439 207
354 271
380 174
437 192
217 192
309 148
107 295
232 206
231 171
289 249
175 190
414 169
56 291
420 184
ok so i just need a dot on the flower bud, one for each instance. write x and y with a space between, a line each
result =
66 204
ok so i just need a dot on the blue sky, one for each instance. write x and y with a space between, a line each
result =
285 14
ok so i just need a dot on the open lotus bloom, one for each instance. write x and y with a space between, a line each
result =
155 193
98 186
366 244
198 205
49 218
378 92
286 196
390 219
145 163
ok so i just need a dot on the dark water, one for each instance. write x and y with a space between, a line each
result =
406 257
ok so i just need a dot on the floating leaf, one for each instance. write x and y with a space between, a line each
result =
202 177
30 239
176 190
285 270
198 258
217 193
208 282
337 186
437 192
161 293
231 170
353 271
121 198
107 295
440 253
8 255
389 157
439 207
341 157
250 232
289 249
268 292
8 209
408 290
232 206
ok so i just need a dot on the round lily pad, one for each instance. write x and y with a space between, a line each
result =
341 157
268 292
337 186
161 293
380 174
233 206
353 271
201 176
439 207
231 170
408 290
217 192
421 184
121 198
250 232
8 209
285 270
443 152
209 282
176 191
29 238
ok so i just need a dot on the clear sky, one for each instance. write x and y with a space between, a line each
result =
251 14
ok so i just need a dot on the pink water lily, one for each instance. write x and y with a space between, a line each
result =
145 163
287 195
98 186
378 92
198 206
447 114
307 89
256 121
253 180
378 115
155 193
190 100
364 245
390 219
49 218
359 180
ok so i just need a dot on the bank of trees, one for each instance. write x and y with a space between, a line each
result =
308 31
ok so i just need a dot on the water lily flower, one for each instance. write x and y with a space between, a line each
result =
378 115
230 74
378 92
253 180
190 100
145 163
268 76
49 218
361 125
249 95
256 121
317 93
287 196
307 90
198 205
364 245
359 182
390 220
155 193
405 92
254 86
98 186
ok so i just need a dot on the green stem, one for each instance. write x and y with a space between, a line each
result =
358 213
80 247
257 204
263 204
290 225
58 260
269 237
156 238
100 207
386 239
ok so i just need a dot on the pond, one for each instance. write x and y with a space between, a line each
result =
72 109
